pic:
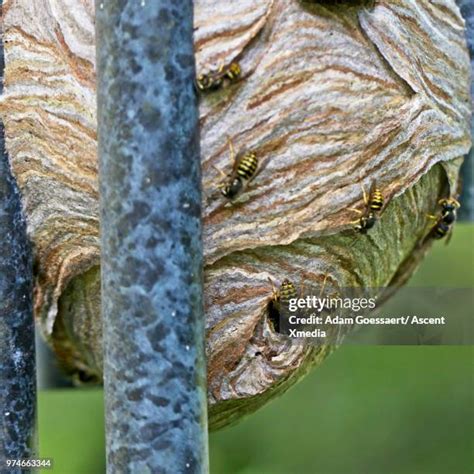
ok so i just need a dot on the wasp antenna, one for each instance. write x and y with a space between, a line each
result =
219 171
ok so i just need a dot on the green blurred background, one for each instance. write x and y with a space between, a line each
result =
367 409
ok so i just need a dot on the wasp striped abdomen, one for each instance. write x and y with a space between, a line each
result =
287 292
233 71
373 205
445 221
280 302
244 170
441 229
247 166
376 200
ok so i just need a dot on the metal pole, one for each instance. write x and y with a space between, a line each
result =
467 171
154 363
17 339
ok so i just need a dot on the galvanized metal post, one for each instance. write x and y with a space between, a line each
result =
154 364
17 340
467 198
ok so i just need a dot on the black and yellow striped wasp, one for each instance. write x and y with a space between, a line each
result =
373 205
244 168
280 301
221 77
446 219
281 297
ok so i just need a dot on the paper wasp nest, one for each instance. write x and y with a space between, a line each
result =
332 95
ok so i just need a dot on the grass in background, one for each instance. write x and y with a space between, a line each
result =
71 430
380 410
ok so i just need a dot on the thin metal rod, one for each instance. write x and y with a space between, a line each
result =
466 212
154 364
17 339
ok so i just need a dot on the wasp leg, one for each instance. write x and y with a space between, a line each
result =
355 210
430 216
219 184
223 175
215 183
210 196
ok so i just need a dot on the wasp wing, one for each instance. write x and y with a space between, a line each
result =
373 187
